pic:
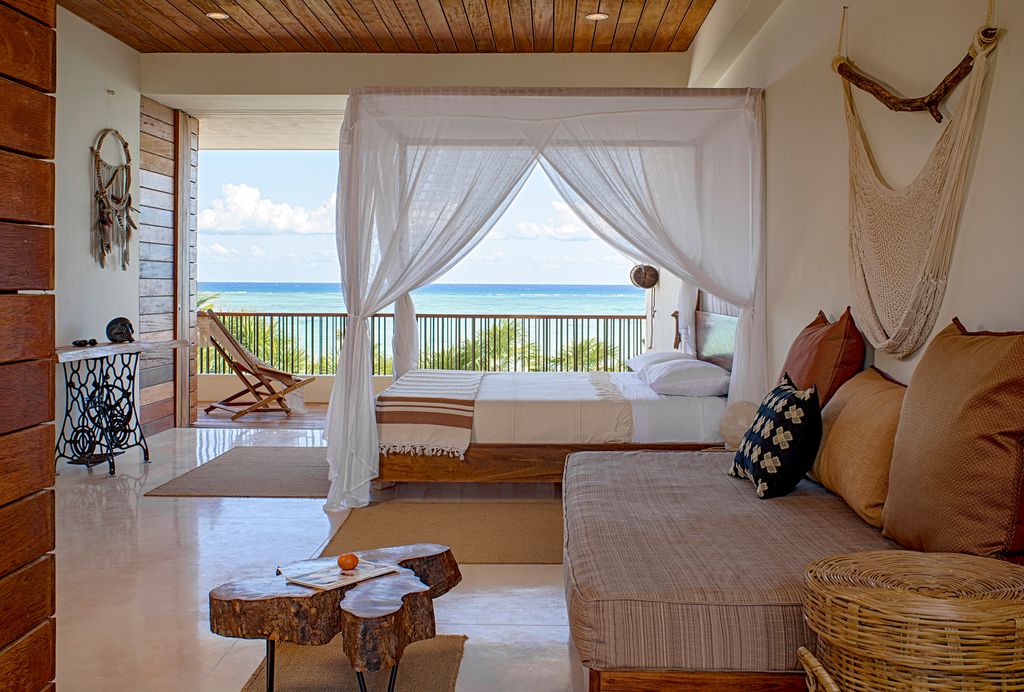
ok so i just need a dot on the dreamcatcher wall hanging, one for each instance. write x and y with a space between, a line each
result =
114 225
901 239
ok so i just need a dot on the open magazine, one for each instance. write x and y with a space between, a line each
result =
332 576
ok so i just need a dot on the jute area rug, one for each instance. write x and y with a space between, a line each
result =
431 665
485 532
255 472
498 529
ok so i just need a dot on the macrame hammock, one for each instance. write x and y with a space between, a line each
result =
901 239
114 222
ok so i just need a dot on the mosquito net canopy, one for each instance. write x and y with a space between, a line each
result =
668 176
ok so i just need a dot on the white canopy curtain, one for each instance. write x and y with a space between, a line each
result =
670 176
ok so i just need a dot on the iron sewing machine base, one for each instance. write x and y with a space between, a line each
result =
100 418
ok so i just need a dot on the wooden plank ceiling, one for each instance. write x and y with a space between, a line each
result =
398 26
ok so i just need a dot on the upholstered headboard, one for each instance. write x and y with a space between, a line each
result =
715 337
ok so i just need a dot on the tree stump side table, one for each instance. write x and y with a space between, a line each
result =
377 618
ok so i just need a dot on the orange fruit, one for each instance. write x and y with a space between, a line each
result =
348 561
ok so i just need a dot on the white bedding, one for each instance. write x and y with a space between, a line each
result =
658 418
547 408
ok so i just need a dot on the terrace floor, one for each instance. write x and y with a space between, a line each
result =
314 418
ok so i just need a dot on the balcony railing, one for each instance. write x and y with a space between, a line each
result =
308 343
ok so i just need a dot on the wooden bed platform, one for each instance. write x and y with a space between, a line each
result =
543 463
495 463
694 681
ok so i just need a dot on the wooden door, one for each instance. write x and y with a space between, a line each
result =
27 117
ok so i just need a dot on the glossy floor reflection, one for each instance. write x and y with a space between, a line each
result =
134 573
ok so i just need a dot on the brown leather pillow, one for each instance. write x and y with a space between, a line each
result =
826 355
956 483
859 427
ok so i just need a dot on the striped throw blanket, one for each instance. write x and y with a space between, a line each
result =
428 412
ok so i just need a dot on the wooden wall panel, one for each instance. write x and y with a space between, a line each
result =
28 395
26 327
44 11
26 598
26 462
27 120
29 183
27 116
26 257
193 267
30 663
157 262
27 50
28 530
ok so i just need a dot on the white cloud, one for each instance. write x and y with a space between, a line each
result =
217 250
564 226
241 208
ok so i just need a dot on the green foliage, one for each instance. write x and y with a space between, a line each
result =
205 300
501 347
269 341
585 356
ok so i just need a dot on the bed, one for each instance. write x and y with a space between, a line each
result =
525 424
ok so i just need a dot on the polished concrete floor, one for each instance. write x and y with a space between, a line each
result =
134 572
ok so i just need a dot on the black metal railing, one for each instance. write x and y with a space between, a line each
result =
308 343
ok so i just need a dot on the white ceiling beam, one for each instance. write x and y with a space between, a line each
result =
728 30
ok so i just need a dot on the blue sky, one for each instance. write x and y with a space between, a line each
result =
269 216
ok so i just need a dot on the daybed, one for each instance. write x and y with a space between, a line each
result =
678 577
525 424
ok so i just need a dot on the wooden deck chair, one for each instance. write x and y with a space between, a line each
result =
266 385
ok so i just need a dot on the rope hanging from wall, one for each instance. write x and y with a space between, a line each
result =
901 239
114 223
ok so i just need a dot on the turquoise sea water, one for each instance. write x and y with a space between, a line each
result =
459 299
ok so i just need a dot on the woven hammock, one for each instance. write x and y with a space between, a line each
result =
901 239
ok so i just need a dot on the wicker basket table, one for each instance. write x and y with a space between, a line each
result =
915 621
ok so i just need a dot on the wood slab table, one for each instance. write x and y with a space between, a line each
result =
377 618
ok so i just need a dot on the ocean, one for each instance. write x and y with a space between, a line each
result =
456 299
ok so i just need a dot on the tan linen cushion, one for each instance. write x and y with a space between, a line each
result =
669 563
825 354
957 478
858 430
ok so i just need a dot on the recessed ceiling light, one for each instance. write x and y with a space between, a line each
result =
597 16
217 15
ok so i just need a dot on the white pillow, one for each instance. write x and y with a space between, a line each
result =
687 378
645 360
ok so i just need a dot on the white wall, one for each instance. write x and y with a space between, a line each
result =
89 62
910 45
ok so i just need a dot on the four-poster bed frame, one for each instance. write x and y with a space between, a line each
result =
544 463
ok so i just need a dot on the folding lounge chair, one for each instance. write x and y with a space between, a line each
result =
266 386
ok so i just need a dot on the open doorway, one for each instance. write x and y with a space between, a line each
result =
540 292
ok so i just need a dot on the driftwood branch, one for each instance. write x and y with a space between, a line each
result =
928 103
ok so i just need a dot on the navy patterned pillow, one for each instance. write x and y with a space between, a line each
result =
781 445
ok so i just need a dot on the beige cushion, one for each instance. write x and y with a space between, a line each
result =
957 477
669 563
859 426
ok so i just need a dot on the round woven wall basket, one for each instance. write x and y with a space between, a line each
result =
644 276
919 621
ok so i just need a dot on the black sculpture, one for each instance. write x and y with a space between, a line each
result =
120 331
